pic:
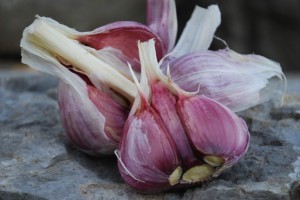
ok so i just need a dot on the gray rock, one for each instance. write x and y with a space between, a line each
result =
38 162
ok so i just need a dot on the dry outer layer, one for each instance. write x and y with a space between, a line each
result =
38 162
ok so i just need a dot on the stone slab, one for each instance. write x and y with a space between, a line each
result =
37 161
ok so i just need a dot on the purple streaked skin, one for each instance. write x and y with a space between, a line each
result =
232 79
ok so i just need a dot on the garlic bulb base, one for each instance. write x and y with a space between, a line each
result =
198 173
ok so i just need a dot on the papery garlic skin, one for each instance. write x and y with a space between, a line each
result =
235 80
87 127
45 36
199 31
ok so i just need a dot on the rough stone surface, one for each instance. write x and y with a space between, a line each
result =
37 161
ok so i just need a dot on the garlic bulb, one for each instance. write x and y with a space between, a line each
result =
213 137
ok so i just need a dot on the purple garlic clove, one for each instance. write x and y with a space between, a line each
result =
164 102
148 158
94 124
215 133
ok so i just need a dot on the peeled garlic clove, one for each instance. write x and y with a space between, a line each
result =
237 81
94 123
162 20
148 159
214 131
122 36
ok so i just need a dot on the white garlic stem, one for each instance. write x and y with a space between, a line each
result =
70 50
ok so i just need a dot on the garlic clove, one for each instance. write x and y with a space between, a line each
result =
93 121
237 81
162 19
123 36
199 30
148 159
213 130
164 102
115 114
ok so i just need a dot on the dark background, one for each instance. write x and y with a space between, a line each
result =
267 27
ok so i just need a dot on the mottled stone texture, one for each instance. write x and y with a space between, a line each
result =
268 27
38 162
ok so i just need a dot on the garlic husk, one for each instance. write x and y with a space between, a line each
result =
123 36
47 41
235 80
147 156
199 30
88 128
162 20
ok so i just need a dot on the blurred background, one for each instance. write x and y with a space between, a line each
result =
267 27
